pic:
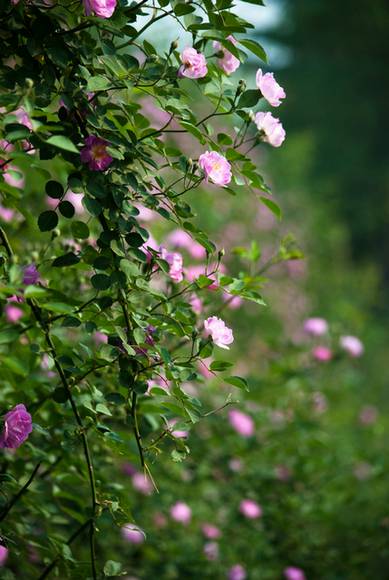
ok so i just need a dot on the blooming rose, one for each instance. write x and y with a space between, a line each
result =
194 65
242 423
3 555
293 573
133 534
101 8
271 127
269 88
229 63
221 335
17 427
215 167
30 274
250 509
181 512
95 153
315 326
322 353
237 572
174 259
352 345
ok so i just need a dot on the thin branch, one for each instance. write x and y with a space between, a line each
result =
17 496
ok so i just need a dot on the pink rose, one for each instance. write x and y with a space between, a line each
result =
95 153
17 427
215 167
221 335
272 130
322 353
194 65
3 555
250 509
237 572
142 483
352 345
101 8
196 304
269 88
242 423
315 326
12 313
181 239
293 573
174 259
229 63
181 512
211 551
133 534
210 531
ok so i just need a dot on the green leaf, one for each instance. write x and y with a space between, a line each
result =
274 208
237 382
112 568
98 83
80 230
220 365
67 209
254 47
68 259
101 281
7 336
62 142
48 220
54 189
249 99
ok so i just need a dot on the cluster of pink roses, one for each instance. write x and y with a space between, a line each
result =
270 127
194 64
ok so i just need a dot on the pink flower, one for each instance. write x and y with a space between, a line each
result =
7 214
250 509
30 275
322 353
17 427
194 65
273 131
95 153
269 88
196 304
181 512
229 63
22 117
13 176
315 326
242 423
221 335
3 555
142 483
181 239
174 259
368 415
237 572
211 551
100 337
177 433
101 8
293 573
133 534
210 531
352 345
12 313
233 302
215 167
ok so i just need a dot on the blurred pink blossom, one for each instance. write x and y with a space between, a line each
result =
196 304
320 404
181 239
7 214
269 88
250 509
368 415
175 261
133 534
12 313
322 353
293 573
3 555
282 472
210 531
237 572
142 483
100 337
181 512
241 423
315 326
235 464
211 551
352 345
